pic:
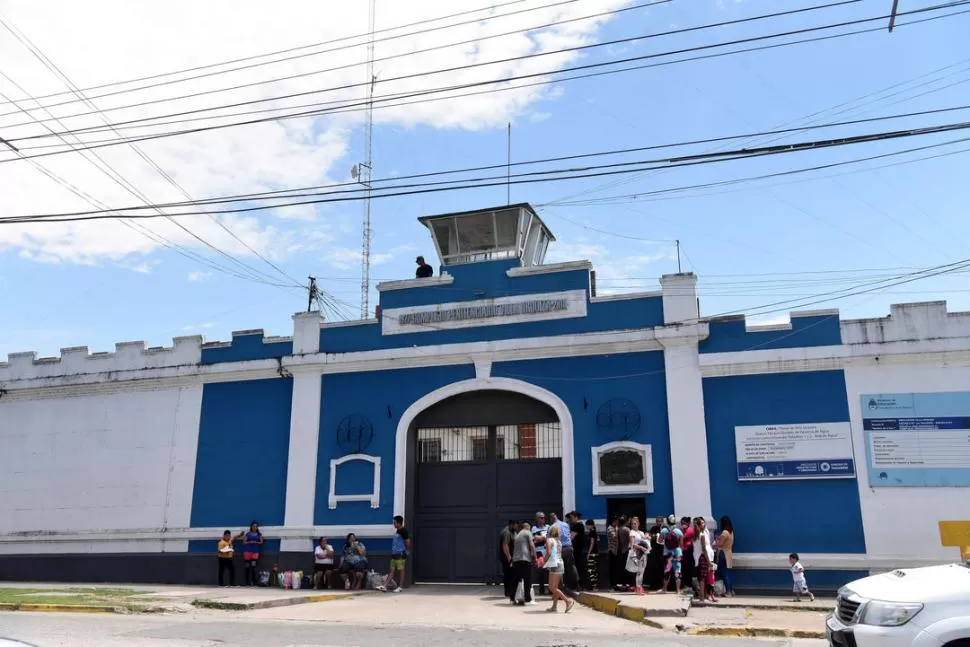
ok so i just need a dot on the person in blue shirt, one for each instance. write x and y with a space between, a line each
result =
252 548
400 547
571 574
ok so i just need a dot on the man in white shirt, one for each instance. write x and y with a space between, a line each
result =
322 563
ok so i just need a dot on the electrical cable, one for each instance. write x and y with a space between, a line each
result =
301 191
362 63
107 143
575 173
955 3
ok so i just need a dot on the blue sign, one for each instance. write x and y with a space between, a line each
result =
917 439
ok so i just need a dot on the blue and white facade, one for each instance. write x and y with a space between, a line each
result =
133 462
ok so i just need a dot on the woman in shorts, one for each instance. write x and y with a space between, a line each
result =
322 564
554 565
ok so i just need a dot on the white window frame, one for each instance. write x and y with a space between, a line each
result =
374 497
646 454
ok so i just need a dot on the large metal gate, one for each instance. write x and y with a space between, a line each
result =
469 482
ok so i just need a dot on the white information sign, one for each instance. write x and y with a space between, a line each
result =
802 451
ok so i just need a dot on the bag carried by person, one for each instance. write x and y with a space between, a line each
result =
671 540
520 592
264 579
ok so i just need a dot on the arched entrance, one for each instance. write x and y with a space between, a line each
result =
473 457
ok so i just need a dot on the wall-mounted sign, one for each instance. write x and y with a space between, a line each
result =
917 439
486 312
793 452
622 467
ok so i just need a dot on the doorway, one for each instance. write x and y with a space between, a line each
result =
626 507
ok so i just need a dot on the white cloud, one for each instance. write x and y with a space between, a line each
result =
115 40
539 117
618 269
200 276
201 326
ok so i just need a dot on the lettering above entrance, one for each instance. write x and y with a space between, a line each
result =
485 312
622 468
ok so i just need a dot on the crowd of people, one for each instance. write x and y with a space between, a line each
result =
684 555
349 571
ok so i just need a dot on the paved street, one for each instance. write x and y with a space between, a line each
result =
434 616
207 630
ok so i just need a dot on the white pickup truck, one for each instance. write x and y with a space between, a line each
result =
919 607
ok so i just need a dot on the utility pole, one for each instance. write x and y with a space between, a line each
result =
678 256
313 293
508 167
365 170
892 15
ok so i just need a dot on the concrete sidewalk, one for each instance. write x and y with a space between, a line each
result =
737 616
168 598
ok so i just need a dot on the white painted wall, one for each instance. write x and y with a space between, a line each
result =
100 462
901 522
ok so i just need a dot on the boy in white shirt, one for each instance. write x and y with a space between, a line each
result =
798 576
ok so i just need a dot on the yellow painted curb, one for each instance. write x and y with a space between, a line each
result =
754 632
326 597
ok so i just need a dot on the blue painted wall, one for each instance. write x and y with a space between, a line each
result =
381 397
244 439
246 347
807 516
586 383
729 335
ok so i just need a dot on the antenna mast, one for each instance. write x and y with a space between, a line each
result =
366 167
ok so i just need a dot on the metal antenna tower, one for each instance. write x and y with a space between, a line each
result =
364 172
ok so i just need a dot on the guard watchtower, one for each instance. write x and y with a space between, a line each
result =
513 231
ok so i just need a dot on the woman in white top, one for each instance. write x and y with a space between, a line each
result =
636 562
555 567
322 563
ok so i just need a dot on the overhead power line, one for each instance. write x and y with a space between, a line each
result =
305 191
506 79
345 66
356 107
342 39
563 174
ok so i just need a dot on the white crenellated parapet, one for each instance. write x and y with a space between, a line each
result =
306 332
908 322
680 298
77 360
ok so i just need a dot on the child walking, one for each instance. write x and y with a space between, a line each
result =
798 576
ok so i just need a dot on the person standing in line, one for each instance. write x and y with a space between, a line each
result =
539 532
654 574
570 573
592 555
225 553
322 563
612 547
672 539
623 537
523 557
704 556
400 547
636 562
506 544
725 554
252 547
554 565
577 535
688 561
800 587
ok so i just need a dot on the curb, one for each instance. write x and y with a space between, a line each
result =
268 604
753 632
616 608
761 607
57 608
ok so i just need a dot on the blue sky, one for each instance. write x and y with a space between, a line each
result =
752 244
